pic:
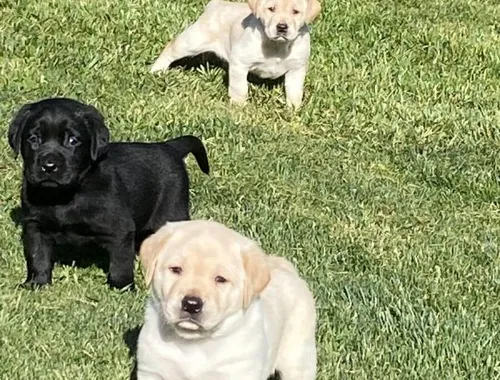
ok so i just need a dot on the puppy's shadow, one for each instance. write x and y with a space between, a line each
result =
130 338
211 61
16 215
276 376
83 256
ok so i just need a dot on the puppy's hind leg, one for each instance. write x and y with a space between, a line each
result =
192 41
121 260
174 205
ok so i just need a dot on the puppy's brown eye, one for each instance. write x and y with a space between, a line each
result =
176 270
295 12
271 9
220 279
73 140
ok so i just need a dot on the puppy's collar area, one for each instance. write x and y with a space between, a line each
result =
50 195
278 46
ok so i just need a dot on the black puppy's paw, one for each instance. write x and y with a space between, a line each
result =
123 284
32 284
126 288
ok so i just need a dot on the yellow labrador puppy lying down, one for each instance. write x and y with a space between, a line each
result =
220 309
268 38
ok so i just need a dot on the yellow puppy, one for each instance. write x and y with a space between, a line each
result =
269 38
220 309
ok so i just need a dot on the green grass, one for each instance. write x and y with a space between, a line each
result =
383 189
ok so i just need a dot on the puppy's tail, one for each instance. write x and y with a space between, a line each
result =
190 144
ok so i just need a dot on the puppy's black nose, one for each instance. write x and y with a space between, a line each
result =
192 305
282 27
49 166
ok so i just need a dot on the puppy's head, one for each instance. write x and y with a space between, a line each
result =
58 139
282 19
201 274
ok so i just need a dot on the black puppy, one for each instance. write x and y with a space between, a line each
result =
80 189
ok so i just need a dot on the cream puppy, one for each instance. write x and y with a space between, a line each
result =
268 38
220 309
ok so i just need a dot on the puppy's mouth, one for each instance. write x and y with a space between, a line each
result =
281 37
63 179
189 324
49 183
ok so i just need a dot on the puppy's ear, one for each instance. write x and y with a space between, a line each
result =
99 133
17 126
313 9
257 273
254 5
151 248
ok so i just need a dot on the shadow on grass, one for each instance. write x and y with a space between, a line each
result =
211 61
83 256
130 338
16 215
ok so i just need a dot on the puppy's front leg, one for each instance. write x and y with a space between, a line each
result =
294 86
238 86
143 375
38 253
121 260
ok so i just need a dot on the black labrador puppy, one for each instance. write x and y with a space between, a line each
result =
80 189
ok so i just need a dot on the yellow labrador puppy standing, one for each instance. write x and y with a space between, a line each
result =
268 38
220 309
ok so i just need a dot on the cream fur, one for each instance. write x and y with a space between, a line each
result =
231 339
246 36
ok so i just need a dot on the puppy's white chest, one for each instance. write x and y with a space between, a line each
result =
240 354
271 68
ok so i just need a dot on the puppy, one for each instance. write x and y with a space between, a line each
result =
268 38
220 309
80 189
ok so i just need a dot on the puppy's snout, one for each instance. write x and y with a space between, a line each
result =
49 165
282 28
192 305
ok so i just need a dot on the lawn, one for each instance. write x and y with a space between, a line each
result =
383 189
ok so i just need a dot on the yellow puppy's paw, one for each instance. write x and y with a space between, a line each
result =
238 101
295 104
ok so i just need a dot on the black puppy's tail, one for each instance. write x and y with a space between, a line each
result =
190 144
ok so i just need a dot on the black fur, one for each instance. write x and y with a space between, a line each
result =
80 189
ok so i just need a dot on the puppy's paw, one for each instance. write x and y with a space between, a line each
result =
126 288
33 284
238 101
161 64
121 283
294 103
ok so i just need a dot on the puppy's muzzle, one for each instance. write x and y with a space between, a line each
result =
282 28
192 305
49 167
50 164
